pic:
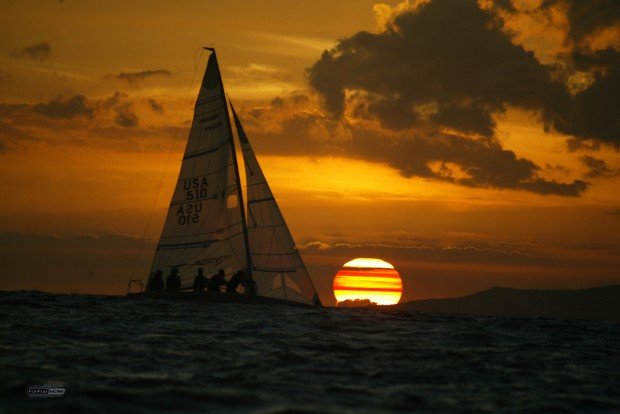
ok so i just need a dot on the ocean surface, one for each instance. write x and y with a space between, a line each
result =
118 355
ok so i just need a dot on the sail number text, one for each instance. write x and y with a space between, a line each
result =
189 213
195 189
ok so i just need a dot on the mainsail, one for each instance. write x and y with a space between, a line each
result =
277 267
204 227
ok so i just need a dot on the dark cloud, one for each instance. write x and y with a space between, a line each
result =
440 156
592 112
156 106
113 100
295 98
595 110
483 163
122 109
586 17
61 107
38 51
466 73
418 72
136 77
277 102
545 187
78 105
573 144
93 122
125 116
257 112
598 167
299 98
440 74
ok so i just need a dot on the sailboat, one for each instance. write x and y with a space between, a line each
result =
210 227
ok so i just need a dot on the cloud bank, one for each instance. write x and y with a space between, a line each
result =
431 154
139 76
440 72
37 52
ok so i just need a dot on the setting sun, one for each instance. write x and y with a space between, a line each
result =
367 278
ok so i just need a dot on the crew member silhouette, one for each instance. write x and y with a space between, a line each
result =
216 281
237 279
156 283
200 281
173 280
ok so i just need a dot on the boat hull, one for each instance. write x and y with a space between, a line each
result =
215 297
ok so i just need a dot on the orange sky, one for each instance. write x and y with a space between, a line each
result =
69 179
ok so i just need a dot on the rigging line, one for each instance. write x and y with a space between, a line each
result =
163 174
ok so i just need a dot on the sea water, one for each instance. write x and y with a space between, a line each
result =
118 355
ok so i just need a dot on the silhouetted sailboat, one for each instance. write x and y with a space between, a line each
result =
206 226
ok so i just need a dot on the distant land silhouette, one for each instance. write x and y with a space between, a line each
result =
598 304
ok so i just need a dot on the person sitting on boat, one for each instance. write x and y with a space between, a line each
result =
200 281
237 279
216 281
156 283
173 280
249 285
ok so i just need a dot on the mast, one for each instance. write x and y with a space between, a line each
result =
236 166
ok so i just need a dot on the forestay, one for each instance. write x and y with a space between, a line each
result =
204 226
277 267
